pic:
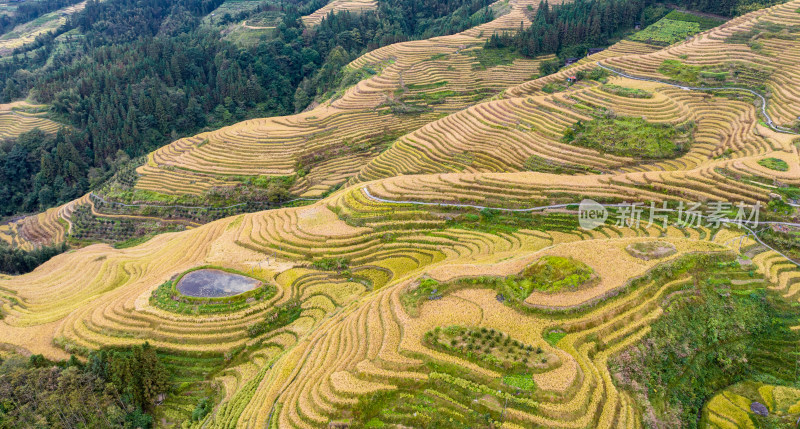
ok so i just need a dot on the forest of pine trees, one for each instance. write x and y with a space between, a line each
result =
14 260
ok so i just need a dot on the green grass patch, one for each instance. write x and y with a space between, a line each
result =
680 71
550 274
774 164
520 381
437 97
554 274
493 57
554 336
396 107
719 76
553 87
597 74
734 73
666 32
500 222
632 136
249 37
331 264
88 228
427 290
705 22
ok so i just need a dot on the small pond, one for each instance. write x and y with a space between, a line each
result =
209 283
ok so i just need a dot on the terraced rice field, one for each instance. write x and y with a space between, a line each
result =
525 122
27 33
47 228
347 337
344 133
352 6
233 7
732 408
20 117
357 345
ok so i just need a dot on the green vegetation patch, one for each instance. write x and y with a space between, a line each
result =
553 87
436 57
553 336
624 91
666 32
733 74
706 22
397 107
121 386
331 264
428 289
554 274
718 333
489 58
500 222
680 71
487 347
774 164
550 274
429 98
632 136
249 37
447 400
134 241
520 381
785 238
124 232
596 74
14 260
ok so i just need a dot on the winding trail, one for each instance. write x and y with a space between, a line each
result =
768 119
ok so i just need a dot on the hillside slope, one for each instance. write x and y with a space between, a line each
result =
343 134
411 292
